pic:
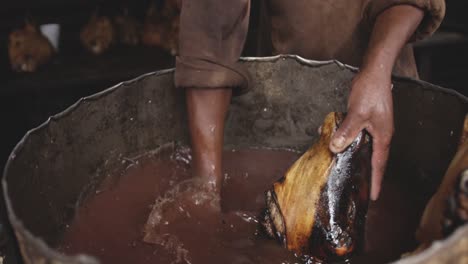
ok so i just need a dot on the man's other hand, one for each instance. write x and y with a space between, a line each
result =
370 107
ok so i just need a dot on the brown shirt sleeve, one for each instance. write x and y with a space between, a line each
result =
211 38
434 13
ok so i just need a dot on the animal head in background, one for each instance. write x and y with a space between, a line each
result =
98 34
162 26
129 29
28 49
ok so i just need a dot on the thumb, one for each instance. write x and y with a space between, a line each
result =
346 133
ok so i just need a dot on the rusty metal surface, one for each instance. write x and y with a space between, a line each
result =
58 163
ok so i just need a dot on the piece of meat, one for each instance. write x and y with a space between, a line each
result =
161 28
456 212
318 208
28 49
98 34
439 216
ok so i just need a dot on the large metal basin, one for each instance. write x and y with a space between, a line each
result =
58 163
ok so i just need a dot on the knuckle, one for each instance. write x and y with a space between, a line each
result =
361 113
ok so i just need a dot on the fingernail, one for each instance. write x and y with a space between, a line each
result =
339 142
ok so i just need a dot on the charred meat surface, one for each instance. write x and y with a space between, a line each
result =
318 208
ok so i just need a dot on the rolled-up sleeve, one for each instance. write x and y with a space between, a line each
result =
211 39
434 14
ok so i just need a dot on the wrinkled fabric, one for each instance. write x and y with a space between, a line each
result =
434 14
211 38
213 33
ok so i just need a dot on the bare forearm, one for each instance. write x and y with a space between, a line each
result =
207 110
391 31
370 104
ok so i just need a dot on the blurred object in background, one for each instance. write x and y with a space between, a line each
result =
129 29
28 49
162 25
52 33
443 58
98 34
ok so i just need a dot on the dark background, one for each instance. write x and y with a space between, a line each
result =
27 100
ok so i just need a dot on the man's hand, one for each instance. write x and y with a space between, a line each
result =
370 107
370 103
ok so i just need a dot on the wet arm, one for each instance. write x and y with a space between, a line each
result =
212 35
370 104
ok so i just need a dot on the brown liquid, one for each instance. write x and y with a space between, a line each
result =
109 224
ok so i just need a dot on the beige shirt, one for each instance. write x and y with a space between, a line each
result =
212 34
